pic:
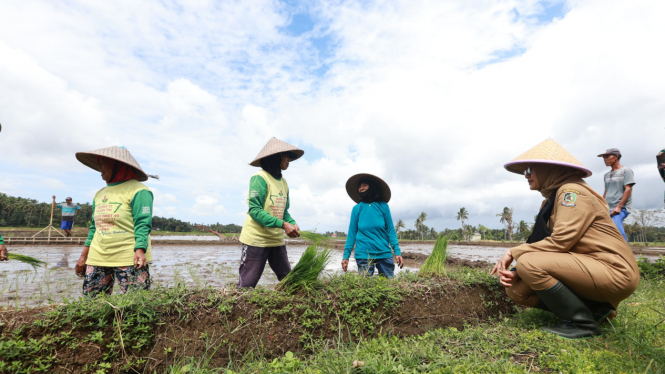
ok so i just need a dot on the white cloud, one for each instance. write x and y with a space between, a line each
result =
405 93
52 183
207 205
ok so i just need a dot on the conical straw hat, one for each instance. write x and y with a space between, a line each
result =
547 152
275 146
117 153
352 187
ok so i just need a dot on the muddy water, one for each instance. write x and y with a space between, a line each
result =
196 265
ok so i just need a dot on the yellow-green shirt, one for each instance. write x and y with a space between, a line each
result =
122 221
268 202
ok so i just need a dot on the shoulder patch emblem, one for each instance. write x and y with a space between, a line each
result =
569 199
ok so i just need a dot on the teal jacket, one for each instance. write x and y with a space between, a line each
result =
372 232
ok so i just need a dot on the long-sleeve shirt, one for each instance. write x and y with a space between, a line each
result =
142 222
258 188
269 202
372 232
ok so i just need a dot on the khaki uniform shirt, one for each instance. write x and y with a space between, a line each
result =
581 225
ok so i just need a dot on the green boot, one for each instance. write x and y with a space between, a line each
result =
578 321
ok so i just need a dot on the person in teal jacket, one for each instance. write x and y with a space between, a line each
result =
371 230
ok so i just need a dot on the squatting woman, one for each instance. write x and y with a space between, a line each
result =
371 230
268 217
575 264
117 251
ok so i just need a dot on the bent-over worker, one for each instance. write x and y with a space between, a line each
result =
576 264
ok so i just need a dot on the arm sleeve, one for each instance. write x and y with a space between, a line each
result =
58 205
353 230
287 216
78 207
142 213
93 228
628 177
392 234
570 225
258 189
2 242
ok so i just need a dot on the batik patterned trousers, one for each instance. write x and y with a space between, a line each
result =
100 279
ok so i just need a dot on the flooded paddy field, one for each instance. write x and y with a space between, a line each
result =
211 264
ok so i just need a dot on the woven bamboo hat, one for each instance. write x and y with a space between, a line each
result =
275 146
117 153
352 187
547 152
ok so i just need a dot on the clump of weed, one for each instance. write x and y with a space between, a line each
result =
306 272
435 265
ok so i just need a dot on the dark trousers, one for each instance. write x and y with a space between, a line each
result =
253 261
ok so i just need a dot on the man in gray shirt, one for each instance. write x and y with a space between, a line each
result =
618 188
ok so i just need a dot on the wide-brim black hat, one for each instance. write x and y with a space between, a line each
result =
352 187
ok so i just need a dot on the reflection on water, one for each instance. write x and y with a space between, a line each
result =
200 265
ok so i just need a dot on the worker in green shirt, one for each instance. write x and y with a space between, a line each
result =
3 250
118 246
268 217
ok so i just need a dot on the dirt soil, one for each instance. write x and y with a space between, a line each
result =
416 260
246 329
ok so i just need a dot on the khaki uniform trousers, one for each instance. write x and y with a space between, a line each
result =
540 271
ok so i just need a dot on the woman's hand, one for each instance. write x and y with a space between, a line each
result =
503 263
3 253
293 231
400 261
139 258
507 278
80 267
345 265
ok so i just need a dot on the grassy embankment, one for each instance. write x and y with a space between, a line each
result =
391 326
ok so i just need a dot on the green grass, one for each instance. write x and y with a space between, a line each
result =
306 273
435 265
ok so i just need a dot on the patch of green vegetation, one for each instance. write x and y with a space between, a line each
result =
652 270
634 342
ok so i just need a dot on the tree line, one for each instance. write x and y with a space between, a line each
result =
22 212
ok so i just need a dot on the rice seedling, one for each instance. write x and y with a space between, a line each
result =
306 272
435 265
313 236
35 263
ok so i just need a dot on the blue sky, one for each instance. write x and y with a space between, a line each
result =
433 97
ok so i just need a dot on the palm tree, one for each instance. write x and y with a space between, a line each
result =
433 233
398 227
523 229
483 231
420 224
507 220
463 215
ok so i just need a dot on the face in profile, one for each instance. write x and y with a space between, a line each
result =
285 162
530 175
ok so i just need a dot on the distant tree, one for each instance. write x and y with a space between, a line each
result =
398 227
506 217
523 230
483 231
432 233
644 220
463 215
420 225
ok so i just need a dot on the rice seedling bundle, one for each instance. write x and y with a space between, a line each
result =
435 265
314 237
306 272
35 263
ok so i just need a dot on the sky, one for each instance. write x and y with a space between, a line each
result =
432 96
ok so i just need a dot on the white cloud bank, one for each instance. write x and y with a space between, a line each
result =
405 91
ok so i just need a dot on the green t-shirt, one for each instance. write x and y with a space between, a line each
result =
615 185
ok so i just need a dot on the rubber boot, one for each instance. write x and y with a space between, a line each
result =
600 310
578 321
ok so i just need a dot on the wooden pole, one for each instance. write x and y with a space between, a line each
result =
50 224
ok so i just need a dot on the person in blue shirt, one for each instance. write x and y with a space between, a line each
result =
371 230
